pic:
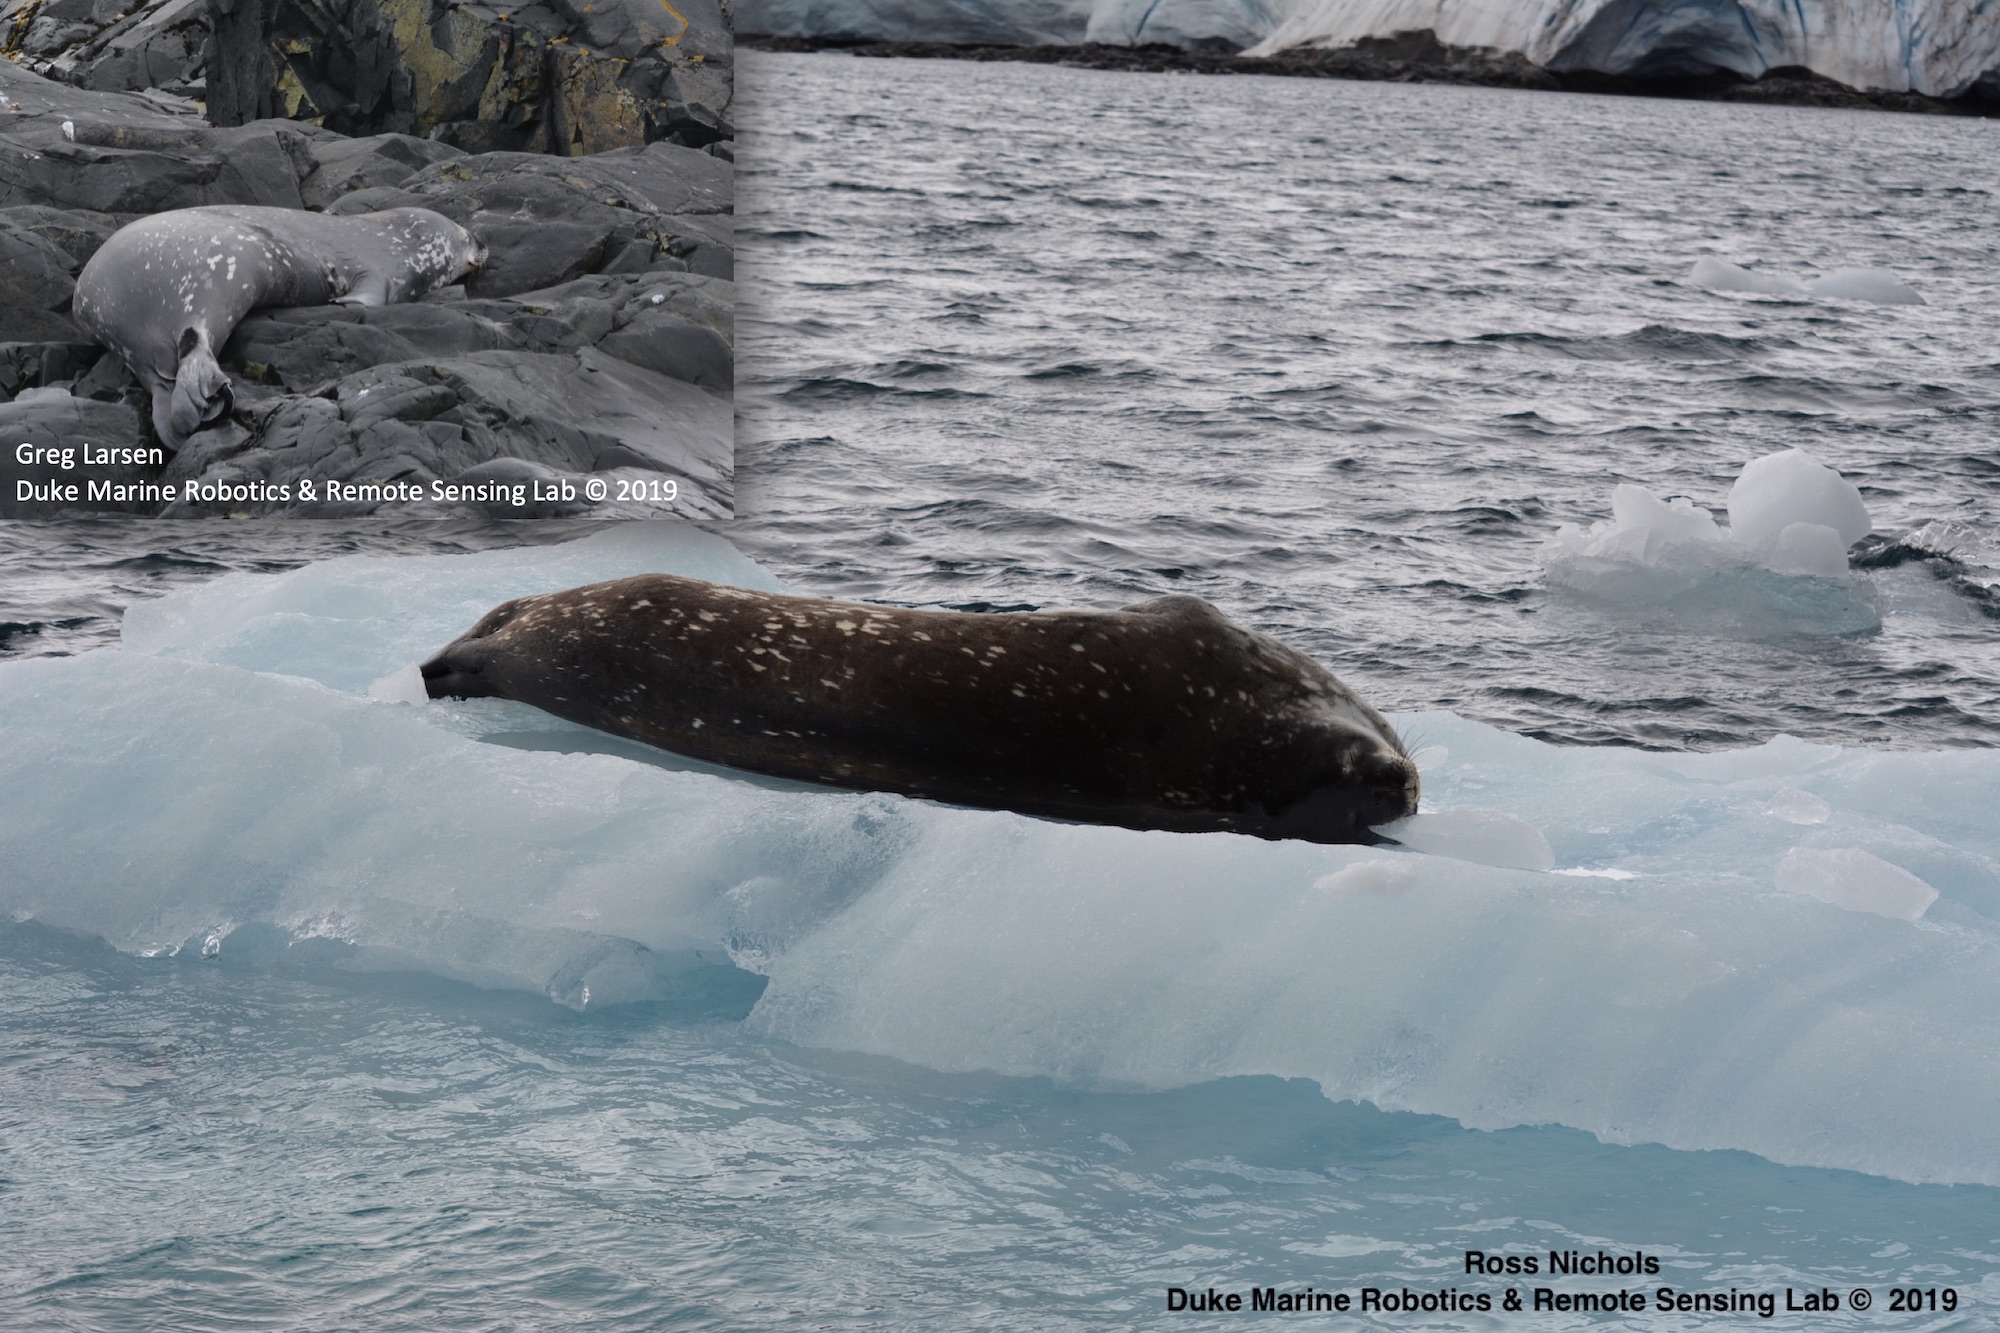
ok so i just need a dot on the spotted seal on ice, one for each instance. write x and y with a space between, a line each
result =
1162 715
165 292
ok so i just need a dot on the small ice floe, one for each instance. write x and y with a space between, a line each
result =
1781 566
1863 284
1797 514
1843 284
404 685
48 393
1720 276
1856 880
69 130
1379 876
1483 837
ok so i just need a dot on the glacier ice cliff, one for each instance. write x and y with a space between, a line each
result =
1941 48
1938 48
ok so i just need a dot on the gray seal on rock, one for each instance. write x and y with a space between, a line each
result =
166 291
1162 715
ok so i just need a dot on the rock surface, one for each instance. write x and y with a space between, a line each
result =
548 76
110 45
595 347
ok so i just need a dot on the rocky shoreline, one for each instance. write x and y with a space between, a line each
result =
591 152
1410 57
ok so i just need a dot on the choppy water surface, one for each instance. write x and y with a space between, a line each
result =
1338 357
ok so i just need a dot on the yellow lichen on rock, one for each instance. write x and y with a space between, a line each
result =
592 111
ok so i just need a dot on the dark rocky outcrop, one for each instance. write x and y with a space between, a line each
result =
594 347
110 45
545 220
581 415
547 76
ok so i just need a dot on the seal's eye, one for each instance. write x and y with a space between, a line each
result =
188 340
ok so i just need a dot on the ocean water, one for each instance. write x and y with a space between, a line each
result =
331 1011
1340 357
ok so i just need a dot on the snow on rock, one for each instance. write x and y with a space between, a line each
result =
227 786
1781 567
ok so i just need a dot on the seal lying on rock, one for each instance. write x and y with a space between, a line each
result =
1160 716
165 291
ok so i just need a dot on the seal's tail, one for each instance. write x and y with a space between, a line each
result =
201 392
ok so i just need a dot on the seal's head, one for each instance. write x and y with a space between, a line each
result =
459 671
441 251
1363 777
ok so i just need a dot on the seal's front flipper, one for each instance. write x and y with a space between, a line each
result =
201 393
371 287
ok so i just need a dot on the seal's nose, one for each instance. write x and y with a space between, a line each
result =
1391 780
456 673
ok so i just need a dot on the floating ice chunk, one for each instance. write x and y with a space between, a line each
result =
1647 530
1798 807
1807 548
148 798
1378 876
1856 880
1863 284
50 392
1843 284
404 685
1781 489
1722 276
1781 567
1648 525
1483 837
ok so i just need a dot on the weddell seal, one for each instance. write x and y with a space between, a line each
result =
164 292
1161 716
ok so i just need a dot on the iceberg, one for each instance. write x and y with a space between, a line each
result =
1789 949
1781 567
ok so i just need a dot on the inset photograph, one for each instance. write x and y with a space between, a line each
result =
480 263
